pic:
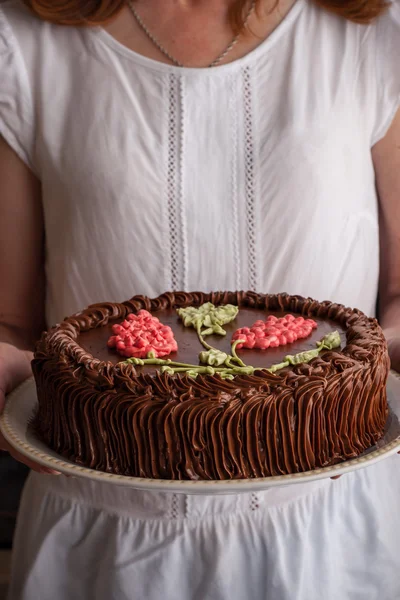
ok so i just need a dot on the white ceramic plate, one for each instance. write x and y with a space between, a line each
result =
21 404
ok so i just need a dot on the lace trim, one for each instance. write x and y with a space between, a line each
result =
234 184
178 507
175 185
254 502
250 182
174 511
182 185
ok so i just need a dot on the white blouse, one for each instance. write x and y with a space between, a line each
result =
253 175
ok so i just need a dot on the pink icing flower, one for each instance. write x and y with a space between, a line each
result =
274 332
140 334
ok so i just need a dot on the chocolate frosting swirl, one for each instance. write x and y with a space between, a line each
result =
114 418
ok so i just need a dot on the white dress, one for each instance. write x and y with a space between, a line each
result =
253 175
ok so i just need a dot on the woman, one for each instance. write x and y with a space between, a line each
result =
277 168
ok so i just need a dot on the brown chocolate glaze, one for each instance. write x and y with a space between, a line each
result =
109 416
94 341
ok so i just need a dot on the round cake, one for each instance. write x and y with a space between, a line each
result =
225 385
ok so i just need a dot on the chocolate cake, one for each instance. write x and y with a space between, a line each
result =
312 395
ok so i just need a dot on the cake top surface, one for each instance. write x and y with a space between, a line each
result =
94 341
80 341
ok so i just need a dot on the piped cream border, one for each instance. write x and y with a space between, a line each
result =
8 425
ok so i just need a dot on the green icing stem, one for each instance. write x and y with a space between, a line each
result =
202 340
329 342
141 362
233 350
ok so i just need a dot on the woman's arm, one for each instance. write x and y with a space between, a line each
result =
21 252
21 275
386 157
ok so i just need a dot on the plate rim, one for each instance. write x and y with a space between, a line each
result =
198 486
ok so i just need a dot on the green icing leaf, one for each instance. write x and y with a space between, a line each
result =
224 314
192 373
302 357
213 357
330 341
209 316
227 376
278 367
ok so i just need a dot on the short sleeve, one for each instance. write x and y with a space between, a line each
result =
16 112
387 69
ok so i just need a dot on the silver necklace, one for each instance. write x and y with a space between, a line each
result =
168 55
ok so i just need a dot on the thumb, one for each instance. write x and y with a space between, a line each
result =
14 369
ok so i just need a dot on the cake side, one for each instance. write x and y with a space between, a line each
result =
114 418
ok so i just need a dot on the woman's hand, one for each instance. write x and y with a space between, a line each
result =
14 369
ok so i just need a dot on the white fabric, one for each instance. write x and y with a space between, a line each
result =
258 175
262 165
338 542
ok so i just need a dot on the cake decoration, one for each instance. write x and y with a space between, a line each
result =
209 316
115 417
229 365
142 335
274 332
208 319
328 342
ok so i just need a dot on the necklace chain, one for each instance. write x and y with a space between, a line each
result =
168 55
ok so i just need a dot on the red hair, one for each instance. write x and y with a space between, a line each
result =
96 12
